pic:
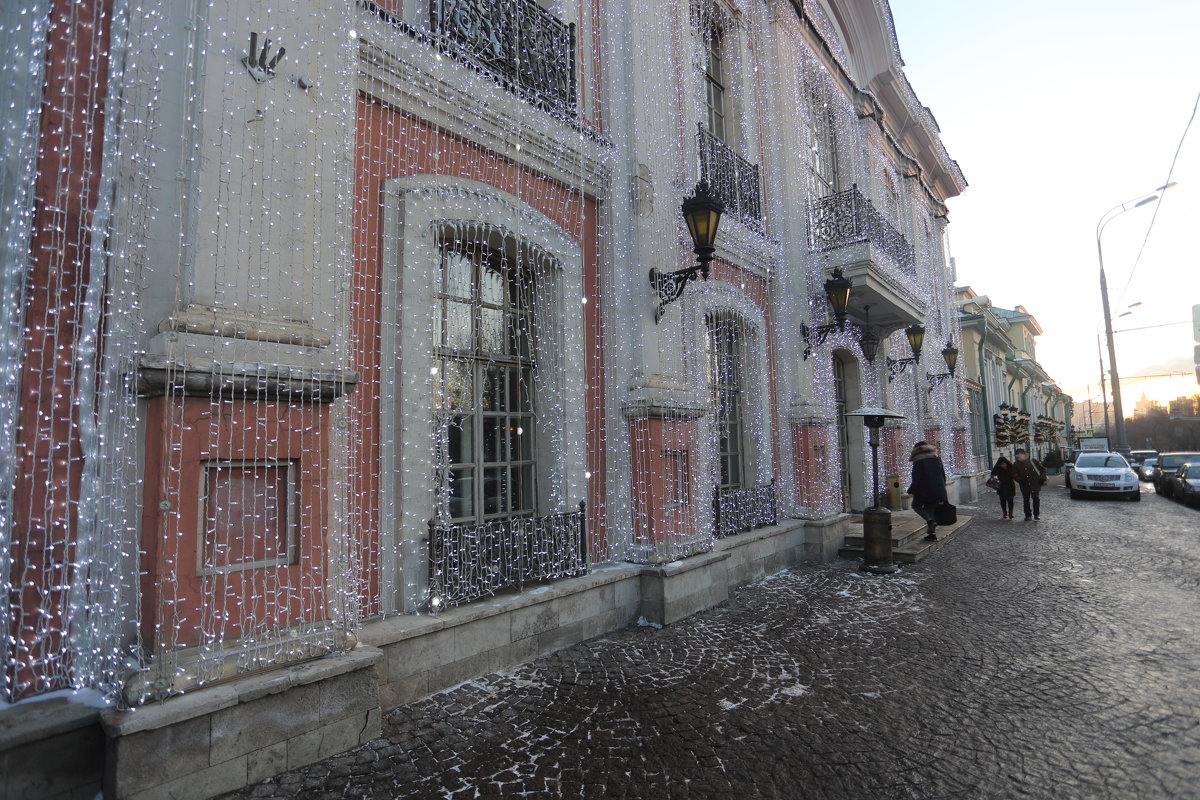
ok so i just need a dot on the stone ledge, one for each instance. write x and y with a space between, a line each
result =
399 628
205 701
30 722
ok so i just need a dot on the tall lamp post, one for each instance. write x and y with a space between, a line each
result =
877 520
1109 216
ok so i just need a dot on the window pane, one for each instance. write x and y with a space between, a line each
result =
459 271
520 438
494 389
461 440
493 439
523 488
491 334
458 326
460 489
495 490
491 285
459 383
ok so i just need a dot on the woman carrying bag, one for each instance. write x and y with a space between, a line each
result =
928 487
1004 484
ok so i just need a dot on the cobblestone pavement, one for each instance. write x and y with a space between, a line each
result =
1022 659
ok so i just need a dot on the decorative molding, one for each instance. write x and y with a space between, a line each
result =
160 375
234 324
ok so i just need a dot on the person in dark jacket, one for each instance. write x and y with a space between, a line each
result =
1003 473
928 487
1030 475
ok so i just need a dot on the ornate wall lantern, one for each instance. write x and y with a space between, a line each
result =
837 292
950 354
702 212
916 338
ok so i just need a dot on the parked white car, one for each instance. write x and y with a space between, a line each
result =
1104 474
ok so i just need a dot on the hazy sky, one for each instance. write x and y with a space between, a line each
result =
1058 110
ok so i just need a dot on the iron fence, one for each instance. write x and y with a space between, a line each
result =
468 561
731 178
848 217
737 510
529 49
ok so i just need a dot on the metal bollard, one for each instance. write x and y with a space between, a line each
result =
877 542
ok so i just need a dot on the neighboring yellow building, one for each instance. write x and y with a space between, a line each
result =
1012 401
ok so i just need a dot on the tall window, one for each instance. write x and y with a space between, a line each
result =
484 394
726 344
714 84
822 130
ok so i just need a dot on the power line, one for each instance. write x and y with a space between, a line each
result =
1157 206
1147 327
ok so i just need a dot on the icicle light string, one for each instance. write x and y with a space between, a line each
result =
378 288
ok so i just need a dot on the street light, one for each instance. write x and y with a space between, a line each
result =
702 212
877 521
916 337
1108 216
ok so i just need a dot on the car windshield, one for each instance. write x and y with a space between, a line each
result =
1175 459
1094 460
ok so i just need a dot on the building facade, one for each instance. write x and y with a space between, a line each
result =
1013 401
360 351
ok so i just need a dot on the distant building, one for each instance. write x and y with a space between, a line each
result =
1012 402
1145 406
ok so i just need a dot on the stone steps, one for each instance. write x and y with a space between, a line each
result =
909 544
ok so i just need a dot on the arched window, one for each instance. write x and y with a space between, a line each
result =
484 394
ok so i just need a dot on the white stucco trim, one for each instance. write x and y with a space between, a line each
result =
418 211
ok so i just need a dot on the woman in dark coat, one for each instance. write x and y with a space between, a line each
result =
1007 489
928 487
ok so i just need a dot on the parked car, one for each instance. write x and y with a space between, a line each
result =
1186 487
1138 457
1104 474
1164 471
1146 470
1070 465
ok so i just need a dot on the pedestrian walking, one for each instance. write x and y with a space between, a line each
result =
1030 476
928 486
1005 485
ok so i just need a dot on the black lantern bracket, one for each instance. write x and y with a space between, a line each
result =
669 285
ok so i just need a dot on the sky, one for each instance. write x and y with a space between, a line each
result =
1057 111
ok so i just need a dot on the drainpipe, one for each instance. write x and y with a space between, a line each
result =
987 412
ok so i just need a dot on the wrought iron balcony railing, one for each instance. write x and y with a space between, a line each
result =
849 218
473 560
530 50
731 178
740 510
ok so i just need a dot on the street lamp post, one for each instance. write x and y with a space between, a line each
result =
1108 216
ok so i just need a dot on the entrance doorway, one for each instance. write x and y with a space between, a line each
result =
848 396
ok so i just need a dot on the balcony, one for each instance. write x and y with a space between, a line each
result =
737 510
526 48
879 261
731 178
473 560
848 218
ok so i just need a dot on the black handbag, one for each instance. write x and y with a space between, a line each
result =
945 514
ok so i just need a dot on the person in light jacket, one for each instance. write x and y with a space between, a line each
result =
928 486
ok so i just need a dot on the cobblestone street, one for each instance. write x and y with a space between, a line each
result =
1044 659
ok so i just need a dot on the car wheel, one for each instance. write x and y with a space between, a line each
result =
1135 497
